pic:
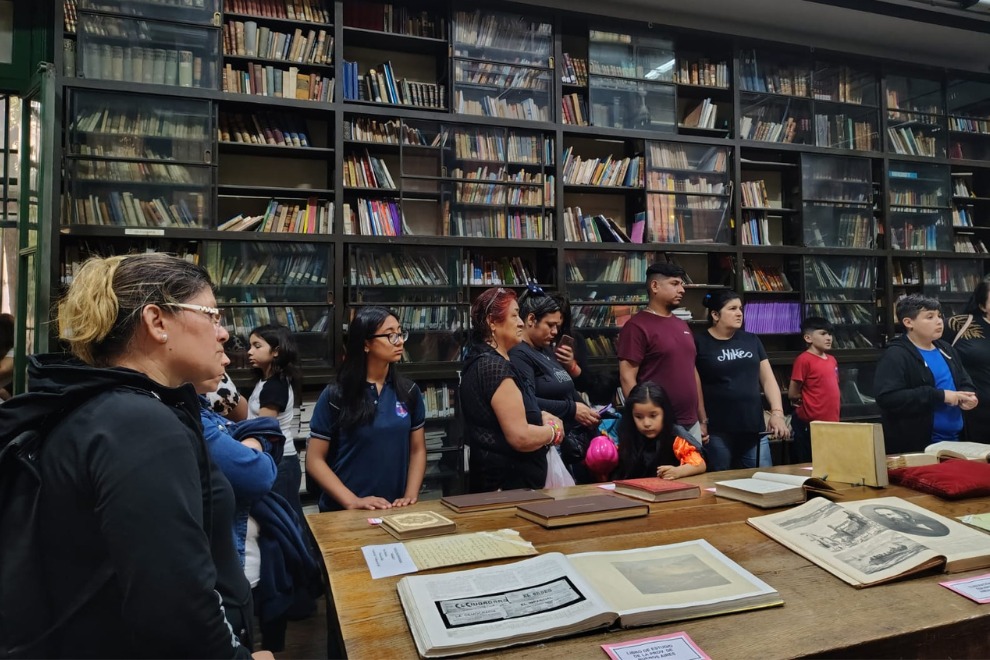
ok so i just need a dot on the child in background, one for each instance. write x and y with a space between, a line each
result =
814 388
272 353
648 446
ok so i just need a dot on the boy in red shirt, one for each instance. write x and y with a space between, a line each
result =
814 388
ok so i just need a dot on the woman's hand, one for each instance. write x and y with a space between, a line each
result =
668 472
585 415
565 355
405 501
550 419
370 502
777 426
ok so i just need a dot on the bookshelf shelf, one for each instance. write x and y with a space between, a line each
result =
271 20
241 59
394 41
274 150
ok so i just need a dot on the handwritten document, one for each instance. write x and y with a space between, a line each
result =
676 646
401 558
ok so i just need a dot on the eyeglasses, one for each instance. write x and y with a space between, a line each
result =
394 338
212 312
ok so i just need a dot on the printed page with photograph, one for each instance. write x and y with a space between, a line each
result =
848 544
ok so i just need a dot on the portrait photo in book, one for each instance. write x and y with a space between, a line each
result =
901 520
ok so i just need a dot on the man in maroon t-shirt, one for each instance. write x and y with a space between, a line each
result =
657 346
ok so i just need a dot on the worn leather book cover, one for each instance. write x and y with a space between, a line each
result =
499 499
414 525
655 489
581 510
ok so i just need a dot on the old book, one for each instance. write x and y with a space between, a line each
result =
973 451
870 542
500 499
848 453
655 489
768 489
581 510
553 595
414 525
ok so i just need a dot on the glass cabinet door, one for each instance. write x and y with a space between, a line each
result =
920 215
200 12
837 193
630 82
688 193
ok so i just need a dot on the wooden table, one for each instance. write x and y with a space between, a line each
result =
821 617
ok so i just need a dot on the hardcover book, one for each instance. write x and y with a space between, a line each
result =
553 595
655 489
849 453
581 510
500 499
870 542
767 489
414 525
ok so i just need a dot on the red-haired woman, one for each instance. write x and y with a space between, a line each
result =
508 434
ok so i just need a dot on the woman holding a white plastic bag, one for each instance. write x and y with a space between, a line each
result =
510 438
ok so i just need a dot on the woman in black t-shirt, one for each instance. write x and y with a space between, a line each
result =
733 368
972 341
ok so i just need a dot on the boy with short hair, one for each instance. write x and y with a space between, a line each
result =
921 386
814 388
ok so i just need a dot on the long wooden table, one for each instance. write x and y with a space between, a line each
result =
821 617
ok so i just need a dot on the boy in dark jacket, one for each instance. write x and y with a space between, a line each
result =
921 387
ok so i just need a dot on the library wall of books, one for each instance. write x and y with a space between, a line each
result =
318 156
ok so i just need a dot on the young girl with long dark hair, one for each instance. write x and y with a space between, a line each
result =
648 445
367 446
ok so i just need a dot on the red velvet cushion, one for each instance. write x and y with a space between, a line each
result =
952 480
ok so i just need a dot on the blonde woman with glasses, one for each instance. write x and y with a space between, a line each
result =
134 519
367 446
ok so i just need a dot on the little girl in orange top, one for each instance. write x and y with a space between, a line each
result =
648 446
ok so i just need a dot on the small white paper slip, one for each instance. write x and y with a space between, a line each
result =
607 486
388 560
711 490
975 588
675 646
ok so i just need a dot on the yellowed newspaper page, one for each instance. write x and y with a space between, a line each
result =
670 582
496 606
469 548
846 543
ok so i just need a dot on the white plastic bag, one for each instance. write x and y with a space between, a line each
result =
557 474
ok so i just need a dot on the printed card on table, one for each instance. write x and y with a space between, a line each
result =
675 646
975 588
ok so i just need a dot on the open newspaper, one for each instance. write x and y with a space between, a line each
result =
554 595
874 541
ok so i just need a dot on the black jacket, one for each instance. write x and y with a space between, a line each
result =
907 396
128 483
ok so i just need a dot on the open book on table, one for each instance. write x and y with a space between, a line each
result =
942 451
769 489
554 595
870 542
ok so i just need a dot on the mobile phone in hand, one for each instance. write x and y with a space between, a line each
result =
566 340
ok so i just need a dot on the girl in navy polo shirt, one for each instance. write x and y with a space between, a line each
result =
367 446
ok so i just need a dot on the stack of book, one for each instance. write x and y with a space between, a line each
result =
272 128
313 11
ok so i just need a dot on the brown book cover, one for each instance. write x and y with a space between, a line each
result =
655 489
499 499
414 525
581 510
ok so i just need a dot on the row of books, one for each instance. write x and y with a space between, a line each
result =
760 277
387 17
894 101
480 29
668 156
272 269
158 66
950 277
75 254
960 187
440 400
315 217
574 70
574 109
600 229
123 171
691 220
840 273
962 216
703 115
297 319
381 86
105 146
911 142
498 106
124 209
664 181
621 267
268 80
500 175
839 315
515 224
703 72
754 193
853 230
754 230
313 11
785 130
436 318
139 121
247 39
773 78
388 131
502 76
523 148
626 171
480 270
918 237
267 127
69 18
773 318
969 245
604 316
367 171
843 132
601 346
970 124
388 269
845 85
493 194
933 198
375 217
906 272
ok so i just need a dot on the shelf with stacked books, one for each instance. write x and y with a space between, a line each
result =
847 102
704 88
688 193
968 108
393 26
916 124
131 163
775 97
768 200
631 81
603 182
144 51
837 202
259 282
502 65
919 216
284 11
970 207
253 131
423 286
199 12
952 281
75 250
843 290
771 293
444 439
